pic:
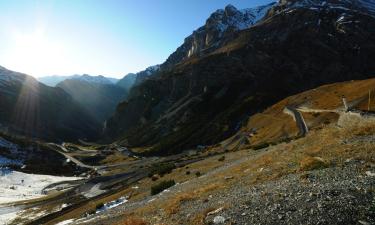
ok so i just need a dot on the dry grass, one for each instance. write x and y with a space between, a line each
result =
173 206
132 220
273 124
312 163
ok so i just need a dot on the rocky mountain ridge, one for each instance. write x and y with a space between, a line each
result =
54 80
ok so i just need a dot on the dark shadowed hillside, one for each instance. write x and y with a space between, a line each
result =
97 95
34 109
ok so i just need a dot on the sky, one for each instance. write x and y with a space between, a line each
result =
98 37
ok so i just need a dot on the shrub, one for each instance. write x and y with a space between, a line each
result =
198 174
99 206
154 177
161 186
187 172
222 158
312 163
161 168
260 146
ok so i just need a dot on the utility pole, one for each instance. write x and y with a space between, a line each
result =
345 104
369 100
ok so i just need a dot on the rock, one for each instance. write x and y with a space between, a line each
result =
219 220
228 177
215 211
370 174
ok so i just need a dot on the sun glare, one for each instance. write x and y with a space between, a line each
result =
35 54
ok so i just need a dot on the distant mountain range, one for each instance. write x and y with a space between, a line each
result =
98 95
240 62
33 109
54 80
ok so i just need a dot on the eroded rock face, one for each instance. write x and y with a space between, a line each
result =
221 26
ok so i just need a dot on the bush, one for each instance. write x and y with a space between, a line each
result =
154 177
198 174
187 172
261 146
161 168
312 163
222 158
161 186
99 206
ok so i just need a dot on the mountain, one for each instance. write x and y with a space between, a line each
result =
54 80
31 108
127 81
222 26
97 94
202 98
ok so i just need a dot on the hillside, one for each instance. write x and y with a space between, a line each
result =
30 108
98 96
206 98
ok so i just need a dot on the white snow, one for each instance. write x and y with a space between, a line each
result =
94 191
17 186
93 79
113 204
7 214
65 222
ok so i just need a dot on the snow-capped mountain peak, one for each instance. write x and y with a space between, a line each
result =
221 24
364 6
93 79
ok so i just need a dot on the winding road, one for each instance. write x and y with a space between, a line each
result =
301 124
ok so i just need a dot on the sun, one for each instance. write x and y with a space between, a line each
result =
34 53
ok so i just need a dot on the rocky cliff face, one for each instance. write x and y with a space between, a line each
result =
207 97
220 27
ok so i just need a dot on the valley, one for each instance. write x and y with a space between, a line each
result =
262 115
117 176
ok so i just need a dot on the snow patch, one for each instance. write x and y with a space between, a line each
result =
113 204
18 186
65 222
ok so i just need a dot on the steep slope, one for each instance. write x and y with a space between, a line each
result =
96 94
34 109
221 27
204 99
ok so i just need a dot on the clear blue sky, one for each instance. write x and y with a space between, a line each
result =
109 37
